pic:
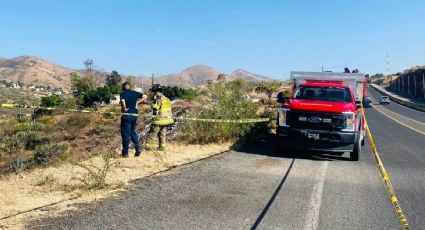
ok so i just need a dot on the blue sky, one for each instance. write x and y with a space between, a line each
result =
265 37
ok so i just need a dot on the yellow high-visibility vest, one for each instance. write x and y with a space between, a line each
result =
162 111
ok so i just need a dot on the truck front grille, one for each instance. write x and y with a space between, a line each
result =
315 120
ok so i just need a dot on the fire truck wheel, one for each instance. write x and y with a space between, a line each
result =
354 155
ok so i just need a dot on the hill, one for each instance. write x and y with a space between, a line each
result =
199 75
247 76
192 76
36 71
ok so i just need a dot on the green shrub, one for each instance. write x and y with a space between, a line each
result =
48 153
78 120
18 165
26 136
174 92
51 101
29 126
95 178
228 101
109 112
98 128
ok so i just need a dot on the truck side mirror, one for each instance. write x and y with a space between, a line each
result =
367 102
281 97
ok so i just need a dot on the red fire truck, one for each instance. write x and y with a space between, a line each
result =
323 113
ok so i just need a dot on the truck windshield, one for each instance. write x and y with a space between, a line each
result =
335 94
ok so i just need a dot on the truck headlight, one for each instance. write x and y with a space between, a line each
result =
282 117
350 122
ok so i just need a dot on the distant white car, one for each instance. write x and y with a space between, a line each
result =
384 100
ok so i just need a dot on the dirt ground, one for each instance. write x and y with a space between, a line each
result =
38 189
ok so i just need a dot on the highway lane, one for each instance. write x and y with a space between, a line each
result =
261 187
397 108
246 190
403 152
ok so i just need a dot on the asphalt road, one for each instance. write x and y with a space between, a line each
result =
261 187
399 109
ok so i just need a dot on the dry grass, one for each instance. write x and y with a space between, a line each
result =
41 187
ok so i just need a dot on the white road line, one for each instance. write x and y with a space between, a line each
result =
313 213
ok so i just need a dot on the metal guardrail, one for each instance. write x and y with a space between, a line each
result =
420 107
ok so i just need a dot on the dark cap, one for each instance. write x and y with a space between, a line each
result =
156 88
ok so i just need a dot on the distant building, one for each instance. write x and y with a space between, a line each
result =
115 99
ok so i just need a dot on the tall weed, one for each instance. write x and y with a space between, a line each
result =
224 100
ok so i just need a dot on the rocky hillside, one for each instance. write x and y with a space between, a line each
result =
200 75
33 70
247 76
36 71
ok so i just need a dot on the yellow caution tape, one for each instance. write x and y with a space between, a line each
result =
7 105
389 186
239 121
208 120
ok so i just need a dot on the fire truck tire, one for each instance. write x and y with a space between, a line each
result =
354 155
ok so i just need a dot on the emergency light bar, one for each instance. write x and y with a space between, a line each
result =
338 82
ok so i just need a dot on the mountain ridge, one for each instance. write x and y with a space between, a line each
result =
37 71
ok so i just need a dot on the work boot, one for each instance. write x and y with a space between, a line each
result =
161 148
124 155
137 154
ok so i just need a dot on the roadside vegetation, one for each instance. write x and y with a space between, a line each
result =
174 92
222 100
58 154
63 153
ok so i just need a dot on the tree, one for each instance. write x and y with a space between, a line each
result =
113 81
132 81
101 94
89 74
79 85
173 92
221 77
268 88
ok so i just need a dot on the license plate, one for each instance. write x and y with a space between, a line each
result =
314 136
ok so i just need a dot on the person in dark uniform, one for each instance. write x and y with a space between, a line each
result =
129 100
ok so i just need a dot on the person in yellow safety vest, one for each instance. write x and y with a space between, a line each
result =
287 95
162 117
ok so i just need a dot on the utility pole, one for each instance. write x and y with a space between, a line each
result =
408 84
398 84
153 82
388 64
423 84
402 85
414 82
